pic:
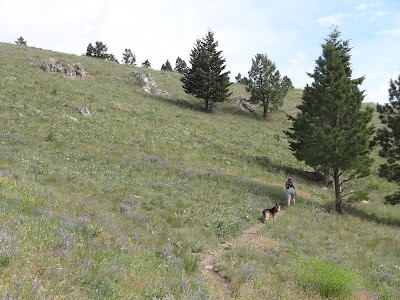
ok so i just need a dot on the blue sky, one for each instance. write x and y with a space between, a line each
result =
290 32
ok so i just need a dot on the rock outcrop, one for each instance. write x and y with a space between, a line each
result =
243 104
148 84
71 71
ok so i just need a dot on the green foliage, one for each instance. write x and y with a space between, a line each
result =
206 78
332 130
146 64
124 203
180 66
21 41
388 138
327 278
356 197
238 78
128 58
99 51
266 85
242 80
167 66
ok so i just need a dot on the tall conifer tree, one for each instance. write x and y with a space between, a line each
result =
332 131
206 78
388 138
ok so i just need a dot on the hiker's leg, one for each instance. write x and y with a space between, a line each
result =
289 196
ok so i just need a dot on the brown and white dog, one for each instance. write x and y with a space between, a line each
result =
270 213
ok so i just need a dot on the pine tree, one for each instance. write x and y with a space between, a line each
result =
388 138
146 64
20 41
180 66
206 78
238 78
266 85
129 58
99 51
167 66
332 131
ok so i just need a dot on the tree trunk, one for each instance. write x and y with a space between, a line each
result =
265 109
336 183
206 105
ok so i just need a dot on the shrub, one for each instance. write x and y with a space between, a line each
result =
328 279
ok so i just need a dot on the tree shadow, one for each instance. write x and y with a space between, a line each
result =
236 111
180 103
372 217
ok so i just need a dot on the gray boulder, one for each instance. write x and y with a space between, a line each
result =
243 104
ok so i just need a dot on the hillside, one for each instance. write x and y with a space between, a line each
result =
124 203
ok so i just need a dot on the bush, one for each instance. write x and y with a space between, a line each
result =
328 279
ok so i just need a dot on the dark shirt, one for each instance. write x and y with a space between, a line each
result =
289 184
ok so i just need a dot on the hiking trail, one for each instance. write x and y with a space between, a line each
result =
221 285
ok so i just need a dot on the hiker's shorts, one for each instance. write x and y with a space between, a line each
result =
290 192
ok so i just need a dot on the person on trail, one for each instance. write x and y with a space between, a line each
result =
290 191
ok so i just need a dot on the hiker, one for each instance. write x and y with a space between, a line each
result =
290 191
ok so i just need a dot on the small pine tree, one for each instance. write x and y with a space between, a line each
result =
206 78
146 64
180 66
128 58
266 85
21 41
167 66
238 78
388 138
99 51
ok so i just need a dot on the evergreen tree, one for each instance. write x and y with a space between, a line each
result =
129 58
180 65
332 131
167 66
388 138
206 78
99 51
266 85
238 78
146 64
20 41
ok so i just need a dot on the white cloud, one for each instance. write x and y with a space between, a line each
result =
333 19
393 33
298 59
367 6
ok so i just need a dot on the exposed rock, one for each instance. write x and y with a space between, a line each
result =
72 119
16 105
148 84
84 111
71 71
243 104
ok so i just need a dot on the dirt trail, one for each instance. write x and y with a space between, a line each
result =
221 285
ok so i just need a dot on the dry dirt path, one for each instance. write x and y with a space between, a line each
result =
221 287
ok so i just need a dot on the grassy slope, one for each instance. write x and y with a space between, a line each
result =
121 204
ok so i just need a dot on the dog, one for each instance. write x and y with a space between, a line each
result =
270 213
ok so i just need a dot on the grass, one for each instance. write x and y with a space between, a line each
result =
121 204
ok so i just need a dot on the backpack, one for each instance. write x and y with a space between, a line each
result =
289 184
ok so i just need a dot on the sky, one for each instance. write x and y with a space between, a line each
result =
289 32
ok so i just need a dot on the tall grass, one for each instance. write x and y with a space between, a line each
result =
121 204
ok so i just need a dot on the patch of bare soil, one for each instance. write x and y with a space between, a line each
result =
222 288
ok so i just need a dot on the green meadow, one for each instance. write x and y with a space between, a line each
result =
122 204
